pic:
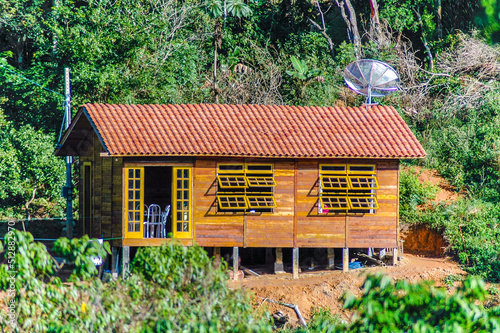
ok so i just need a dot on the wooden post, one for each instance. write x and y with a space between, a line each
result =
114 253
236 265
295 270
331 258
217 255
126 262
345 260
394 256
278 264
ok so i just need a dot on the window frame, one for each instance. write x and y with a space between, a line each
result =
259 183
243 197
133 234
185 212
356 175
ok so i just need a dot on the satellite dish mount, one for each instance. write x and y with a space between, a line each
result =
371 78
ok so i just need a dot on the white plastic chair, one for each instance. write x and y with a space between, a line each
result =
164 217
153 225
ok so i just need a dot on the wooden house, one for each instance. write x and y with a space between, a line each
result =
241 175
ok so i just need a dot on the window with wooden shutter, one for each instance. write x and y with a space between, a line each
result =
348 188
245 187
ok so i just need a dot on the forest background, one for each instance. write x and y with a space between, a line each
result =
263 52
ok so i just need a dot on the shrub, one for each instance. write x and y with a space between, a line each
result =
413 194
80 252
385 306
172 289
29 259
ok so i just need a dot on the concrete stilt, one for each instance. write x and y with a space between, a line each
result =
331 258
278 264
394 256
295 270
236 264
114 268
126 262
345 260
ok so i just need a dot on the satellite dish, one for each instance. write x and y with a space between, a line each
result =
371 78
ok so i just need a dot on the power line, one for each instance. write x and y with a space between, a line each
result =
36 84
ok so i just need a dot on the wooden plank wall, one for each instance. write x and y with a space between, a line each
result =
380 229
308 228
80 227
106 196
211 229
314 229
274 229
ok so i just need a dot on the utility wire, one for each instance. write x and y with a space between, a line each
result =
39 85
36 84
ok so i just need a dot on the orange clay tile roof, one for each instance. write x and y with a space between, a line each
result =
252 131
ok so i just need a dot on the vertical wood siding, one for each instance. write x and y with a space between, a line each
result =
314 229
296 196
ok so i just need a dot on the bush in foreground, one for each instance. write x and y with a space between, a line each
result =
172 289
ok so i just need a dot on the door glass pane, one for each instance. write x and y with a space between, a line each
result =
137 173
179 173
137 195
186 173
137 227
130 227
131 173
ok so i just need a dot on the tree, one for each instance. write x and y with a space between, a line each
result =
349 16
303 75
30 176
218 9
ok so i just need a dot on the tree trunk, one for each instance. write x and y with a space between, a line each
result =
217 43
375 22
352 24
322 29
439 20
424 40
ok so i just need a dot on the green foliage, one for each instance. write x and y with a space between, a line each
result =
28 260
177 267
464 148
490 19
385 306
80 252
323 321
302 71
303 76
139 304
472 228
30 177
413 194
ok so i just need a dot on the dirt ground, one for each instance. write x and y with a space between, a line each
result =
324 288
423 259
